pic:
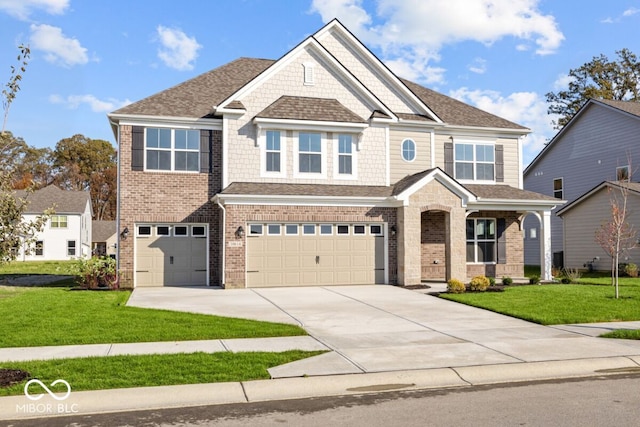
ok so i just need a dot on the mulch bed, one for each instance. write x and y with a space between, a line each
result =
9 377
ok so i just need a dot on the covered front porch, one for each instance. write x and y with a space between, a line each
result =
447 230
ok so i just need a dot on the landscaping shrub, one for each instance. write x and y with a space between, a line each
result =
507 281
479 283
631 270
455 286
570 275
95 273
534 280
492 281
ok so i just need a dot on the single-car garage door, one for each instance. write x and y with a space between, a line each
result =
315 254
171 255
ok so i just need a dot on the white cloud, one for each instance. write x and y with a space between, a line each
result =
416 30
58 48
22 9
177 50
97 106
478 66
562 82
627 13
631 11
525 108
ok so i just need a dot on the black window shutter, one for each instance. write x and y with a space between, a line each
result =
499 163
205 150
448 158
502 240
137 148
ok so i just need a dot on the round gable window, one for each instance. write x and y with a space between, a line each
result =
408 150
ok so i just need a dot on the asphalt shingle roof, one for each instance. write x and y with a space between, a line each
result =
303 108
102 230
631 107
504 192
69 202
196 98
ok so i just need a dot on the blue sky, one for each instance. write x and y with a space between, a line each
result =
92 57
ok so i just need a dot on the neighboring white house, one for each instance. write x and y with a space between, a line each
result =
67 233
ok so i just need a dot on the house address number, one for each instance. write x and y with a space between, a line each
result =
235 243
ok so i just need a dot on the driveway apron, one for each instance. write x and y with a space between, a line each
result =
385 328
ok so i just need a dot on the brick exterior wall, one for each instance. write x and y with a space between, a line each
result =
514 266
240 215
162 197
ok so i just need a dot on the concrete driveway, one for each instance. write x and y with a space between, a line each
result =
385 328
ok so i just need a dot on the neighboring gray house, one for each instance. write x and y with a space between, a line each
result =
586 214
600 143
104 241
67 233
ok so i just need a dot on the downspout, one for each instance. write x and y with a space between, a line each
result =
224 243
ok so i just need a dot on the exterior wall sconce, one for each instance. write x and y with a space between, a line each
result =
240 232
125 233
393 230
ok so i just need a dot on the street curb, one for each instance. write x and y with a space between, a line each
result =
149 398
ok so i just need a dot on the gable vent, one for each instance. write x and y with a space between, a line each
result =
309 73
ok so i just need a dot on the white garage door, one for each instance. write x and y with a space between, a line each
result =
315 254
171 255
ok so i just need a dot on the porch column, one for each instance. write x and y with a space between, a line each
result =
409 251
546 256
456 244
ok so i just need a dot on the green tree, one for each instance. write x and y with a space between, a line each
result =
29 166
14 229
600 78
85 164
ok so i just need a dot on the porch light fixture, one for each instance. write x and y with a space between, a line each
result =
393 230
240 232
125 233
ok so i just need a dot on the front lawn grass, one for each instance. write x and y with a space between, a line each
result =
559 304
58 316
21 268
97 373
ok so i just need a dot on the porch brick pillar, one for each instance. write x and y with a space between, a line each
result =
409 250
457 244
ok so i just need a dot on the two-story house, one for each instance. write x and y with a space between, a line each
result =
66 234
600 143
322 167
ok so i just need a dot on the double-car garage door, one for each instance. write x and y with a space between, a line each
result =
171 255
299 254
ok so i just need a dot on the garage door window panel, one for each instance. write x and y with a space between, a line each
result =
309 229
291 229
198 231
181 231
255 229
163 230
343 230
144 230
273 229
326 229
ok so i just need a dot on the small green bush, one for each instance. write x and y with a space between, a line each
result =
572 274
455 286
94 273
479 283
507 281
631 269
534 280
492 281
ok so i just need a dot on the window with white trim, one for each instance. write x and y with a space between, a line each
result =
255 229
273 229
622 173
481 240
408 149
71 248
310 153
172 149
558 188
474 161
345 155
309 229
272 151
59 221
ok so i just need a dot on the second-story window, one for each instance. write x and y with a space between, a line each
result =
408 150
172 149
475 162
273 151
558 188
58 221
309 153
345 155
